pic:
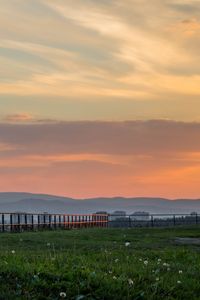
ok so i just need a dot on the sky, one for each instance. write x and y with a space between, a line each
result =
100 98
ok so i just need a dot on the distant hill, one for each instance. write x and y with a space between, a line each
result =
37 203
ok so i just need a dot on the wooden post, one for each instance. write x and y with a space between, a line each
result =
38 220
64 221
129 222
61 221
55 225
75 221
152 221
32 222
11 222
3 222
107 221
18 222
68 221
25 221
72 221
49 221
44 220
174 220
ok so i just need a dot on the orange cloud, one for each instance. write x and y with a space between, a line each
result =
86 159
187 28
21 117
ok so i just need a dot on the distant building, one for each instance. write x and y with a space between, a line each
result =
118 214
140 216
194 213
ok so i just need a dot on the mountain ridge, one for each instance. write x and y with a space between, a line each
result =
38 203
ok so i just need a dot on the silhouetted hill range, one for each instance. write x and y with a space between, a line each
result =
37 203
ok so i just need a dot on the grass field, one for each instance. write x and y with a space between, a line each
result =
101 264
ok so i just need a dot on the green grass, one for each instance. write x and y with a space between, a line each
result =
96 264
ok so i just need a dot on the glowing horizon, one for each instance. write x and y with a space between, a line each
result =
100 98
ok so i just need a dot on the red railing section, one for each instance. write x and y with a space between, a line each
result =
26 221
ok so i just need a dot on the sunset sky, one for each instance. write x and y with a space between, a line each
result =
100 97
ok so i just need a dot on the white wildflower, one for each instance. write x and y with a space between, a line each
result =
159 259
63 295
116 260
114 277
179 282
146 262
130 281
13 251
157 278
127 244
180 271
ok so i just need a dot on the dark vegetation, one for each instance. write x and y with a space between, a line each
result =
101 264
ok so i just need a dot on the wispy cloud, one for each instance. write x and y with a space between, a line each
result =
98 51
23 117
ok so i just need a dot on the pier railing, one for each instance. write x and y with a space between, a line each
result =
18 222
153 220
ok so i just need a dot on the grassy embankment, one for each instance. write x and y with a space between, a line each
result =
100 264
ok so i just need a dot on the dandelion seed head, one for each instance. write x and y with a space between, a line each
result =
127 244
130 281
63 294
